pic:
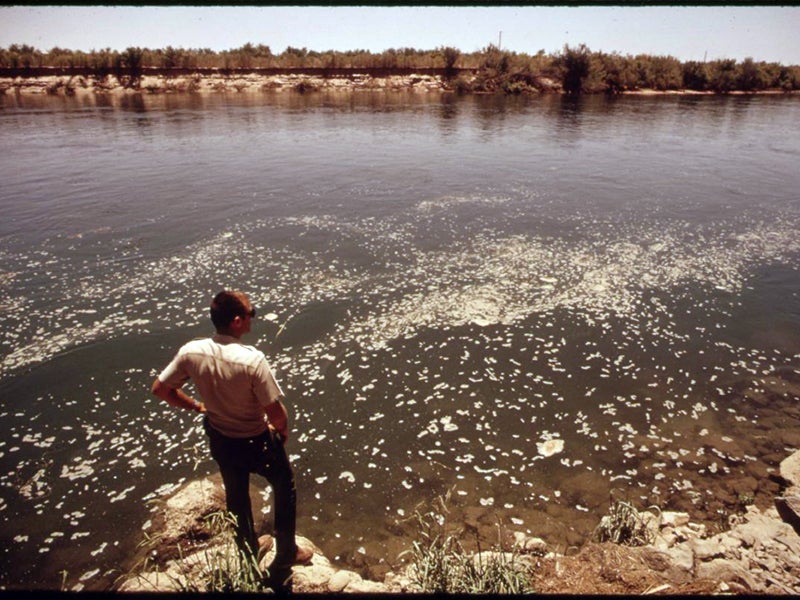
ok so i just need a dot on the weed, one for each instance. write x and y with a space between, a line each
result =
623 525
439 563
462 85
219 567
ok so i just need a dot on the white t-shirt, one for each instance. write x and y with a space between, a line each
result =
234 381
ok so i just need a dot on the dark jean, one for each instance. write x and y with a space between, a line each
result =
265 456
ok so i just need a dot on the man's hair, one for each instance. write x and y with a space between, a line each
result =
225 306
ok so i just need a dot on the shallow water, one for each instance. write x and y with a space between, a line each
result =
529 302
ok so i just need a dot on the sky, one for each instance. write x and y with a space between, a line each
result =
770 33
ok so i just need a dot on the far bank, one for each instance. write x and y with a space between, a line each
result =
60 82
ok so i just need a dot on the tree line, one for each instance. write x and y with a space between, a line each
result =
576 70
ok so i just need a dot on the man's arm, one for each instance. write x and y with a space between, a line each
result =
176 397
278 418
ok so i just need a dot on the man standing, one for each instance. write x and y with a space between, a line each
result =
245 420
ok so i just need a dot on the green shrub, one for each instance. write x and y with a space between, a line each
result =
620 72
450 56
752 76
581 71
515 87
789 78
667 73
722 75
462 85
695 75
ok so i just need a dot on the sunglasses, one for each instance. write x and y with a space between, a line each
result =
251 314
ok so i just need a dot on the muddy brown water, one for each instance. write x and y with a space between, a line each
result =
532 304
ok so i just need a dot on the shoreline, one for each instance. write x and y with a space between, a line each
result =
197 83
759 552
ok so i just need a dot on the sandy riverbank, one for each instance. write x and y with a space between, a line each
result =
242 83
62 85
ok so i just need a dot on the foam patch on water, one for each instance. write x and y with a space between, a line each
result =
550 447
500 280
485 279
451 202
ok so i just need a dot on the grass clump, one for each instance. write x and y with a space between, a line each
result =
218 567
623 525
226 568
440 564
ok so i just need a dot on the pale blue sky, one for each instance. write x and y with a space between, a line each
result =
686 32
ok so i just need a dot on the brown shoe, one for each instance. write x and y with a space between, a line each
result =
302 556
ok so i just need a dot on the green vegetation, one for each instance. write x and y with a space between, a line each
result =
623 525
439 563
219 567
576 70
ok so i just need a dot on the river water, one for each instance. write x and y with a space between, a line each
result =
529 303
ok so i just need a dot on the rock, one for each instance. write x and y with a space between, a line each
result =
758 529
707 549
730 545
662 543
535 545
685 532
788 508
723 570
655 559
767 563
791 543
365 586
307 544
342 579
184 512
698 528
529 545
790 469
314 577
398 582
681 557
674 519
